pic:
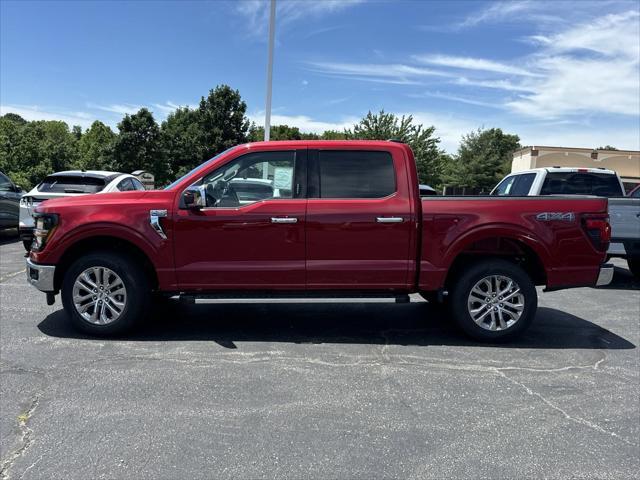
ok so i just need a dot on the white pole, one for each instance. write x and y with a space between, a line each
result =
267 113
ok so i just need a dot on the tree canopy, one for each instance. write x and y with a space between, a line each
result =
483 158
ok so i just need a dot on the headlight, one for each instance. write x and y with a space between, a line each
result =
45 225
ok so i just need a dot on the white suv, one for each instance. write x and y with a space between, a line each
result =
68 184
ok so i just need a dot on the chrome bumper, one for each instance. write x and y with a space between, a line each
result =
41 276
606 275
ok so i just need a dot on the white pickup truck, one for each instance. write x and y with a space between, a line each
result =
624 212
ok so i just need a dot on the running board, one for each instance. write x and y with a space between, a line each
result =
190 298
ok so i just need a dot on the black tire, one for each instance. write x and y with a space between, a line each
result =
466 281
634 266
138 292
27 244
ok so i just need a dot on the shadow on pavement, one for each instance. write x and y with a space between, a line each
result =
9 235
417 324
622 280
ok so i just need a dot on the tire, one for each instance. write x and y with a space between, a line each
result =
634 266
121 309
488 277
27 245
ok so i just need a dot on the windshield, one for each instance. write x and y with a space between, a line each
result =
71 184
198 168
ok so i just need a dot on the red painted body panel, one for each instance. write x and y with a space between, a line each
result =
336 244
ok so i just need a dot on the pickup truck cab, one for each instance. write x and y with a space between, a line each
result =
340 218
624 212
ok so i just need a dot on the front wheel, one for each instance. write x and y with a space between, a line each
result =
105 293
494 300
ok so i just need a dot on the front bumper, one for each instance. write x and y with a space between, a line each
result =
41 276
606 275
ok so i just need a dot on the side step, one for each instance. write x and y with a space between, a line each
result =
191 298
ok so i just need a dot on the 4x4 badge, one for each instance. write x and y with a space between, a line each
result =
556 216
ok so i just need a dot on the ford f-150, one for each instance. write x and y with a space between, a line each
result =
319 218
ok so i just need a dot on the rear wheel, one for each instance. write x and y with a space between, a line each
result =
105 293
634 266
493 301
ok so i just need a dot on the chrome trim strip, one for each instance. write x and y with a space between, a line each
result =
606 275
46 274
389 219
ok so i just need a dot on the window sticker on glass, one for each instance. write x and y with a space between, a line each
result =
283 177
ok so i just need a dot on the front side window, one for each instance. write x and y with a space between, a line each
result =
504 187
356 174
251 178
137 184
5 184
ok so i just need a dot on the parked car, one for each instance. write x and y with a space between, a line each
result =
9 199
624 212
69 184
635 193
352 224
426 190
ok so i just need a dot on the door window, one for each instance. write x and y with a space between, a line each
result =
356 174
252 178
5 184
125 185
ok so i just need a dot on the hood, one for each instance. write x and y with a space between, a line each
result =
115 198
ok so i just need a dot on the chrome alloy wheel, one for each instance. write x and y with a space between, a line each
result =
495 303
99 295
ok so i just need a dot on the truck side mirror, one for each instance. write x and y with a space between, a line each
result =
194 197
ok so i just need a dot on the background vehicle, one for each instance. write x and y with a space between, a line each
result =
70 183
348 221
624 213
9 198
426 191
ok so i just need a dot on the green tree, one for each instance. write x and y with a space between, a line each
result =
182 141
483 158
95 148
333 135
607 147
222 120
138 146
423 142
278 132
31 150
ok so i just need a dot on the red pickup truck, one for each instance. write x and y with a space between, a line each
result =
315 218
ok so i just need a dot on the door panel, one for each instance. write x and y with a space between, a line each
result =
241 248
251 235
359 243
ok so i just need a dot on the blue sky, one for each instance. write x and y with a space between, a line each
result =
555 73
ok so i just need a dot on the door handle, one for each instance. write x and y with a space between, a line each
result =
389 219
284 220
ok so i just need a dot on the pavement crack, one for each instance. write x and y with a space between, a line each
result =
578 420
26 439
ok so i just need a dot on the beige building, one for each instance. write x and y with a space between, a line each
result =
625 162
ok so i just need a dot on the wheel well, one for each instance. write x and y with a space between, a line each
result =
104 243
503 248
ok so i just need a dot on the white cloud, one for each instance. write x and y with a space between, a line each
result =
396 73
305 123
468 63
256 12
33 112
496 12
121 109
496 84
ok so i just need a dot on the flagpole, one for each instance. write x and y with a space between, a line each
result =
267 113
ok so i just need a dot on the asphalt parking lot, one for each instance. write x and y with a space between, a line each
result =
319 389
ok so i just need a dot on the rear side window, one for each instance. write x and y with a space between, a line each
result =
581 183
71 184
356 174
125 185
515 185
